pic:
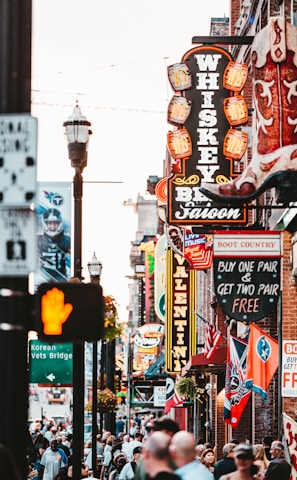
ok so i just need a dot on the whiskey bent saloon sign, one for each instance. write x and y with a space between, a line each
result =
206 110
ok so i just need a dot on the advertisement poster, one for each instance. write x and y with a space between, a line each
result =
289 368
53 212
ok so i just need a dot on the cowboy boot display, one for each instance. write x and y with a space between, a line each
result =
274 157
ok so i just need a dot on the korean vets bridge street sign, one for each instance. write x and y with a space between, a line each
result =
50 363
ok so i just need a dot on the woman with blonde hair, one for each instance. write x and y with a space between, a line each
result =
260 460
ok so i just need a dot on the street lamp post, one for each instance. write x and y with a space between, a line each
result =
77 134
95 269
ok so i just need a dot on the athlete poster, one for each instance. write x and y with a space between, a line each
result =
53 212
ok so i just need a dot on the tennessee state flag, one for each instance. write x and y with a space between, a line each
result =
236 394
262 360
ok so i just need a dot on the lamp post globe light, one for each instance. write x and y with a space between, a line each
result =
77 133
95 269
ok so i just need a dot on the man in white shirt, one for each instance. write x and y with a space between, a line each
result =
51 461
128 470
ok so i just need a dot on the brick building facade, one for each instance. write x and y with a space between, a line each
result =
260 418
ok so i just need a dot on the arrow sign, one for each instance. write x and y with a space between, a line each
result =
50 362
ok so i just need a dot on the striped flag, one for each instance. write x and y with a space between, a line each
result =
213 338
172 397
236 394
262 360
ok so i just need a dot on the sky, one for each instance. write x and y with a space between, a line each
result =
112 58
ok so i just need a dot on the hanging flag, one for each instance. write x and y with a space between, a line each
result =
290 433
213 338
172 397
262 360
236 394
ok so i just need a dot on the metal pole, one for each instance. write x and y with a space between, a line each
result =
280 356
110 372
15 97
129 383
94 406
78 348
77 133
195 417
102 380
94 279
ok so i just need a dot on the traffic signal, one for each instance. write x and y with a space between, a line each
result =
69 312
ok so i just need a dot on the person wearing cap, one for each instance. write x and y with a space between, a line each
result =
128 471
244 461
278 468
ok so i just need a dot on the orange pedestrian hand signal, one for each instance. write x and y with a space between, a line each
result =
69 312
54 312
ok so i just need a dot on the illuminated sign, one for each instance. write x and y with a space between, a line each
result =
160 277
62 310
196 248
179 143
149 335
180 323
215 79
149 261
179 76
236 110
235 144
235 76
178 110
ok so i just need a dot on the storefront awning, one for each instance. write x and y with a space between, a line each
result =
215 365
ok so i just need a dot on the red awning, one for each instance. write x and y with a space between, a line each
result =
215 364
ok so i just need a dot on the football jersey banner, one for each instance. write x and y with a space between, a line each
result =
53 211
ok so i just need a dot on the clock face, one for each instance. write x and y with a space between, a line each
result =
18 160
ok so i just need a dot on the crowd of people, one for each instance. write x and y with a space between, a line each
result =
158 450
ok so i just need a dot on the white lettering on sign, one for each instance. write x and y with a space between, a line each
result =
207 144
50 352
190 212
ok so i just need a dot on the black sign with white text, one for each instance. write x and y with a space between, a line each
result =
207 127
247 289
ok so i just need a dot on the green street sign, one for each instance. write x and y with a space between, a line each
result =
50 363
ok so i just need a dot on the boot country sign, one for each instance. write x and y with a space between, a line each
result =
247 273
